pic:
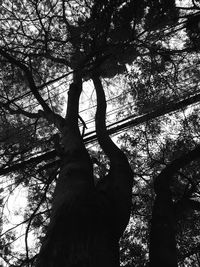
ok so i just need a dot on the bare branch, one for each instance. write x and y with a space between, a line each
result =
83 123
19 111
29 77
48 113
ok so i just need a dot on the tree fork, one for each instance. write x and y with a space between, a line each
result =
81 232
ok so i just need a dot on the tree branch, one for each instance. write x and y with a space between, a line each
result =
106 143
48 113
19 111
34 160
163 180
29 78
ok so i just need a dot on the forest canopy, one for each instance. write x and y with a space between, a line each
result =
144 54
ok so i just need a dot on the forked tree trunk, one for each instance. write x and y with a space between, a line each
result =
85 227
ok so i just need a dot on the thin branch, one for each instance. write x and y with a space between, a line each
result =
19 111
29 77
83 123
47 113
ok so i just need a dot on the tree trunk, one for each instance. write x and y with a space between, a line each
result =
162 250
86 221
80 233
162 236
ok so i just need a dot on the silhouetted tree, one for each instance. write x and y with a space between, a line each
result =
49 46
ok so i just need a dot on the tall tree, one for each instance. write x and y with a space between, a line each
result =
163 229
45 44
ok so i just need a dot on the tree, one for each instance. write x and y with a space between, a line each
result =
162 242
45 43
